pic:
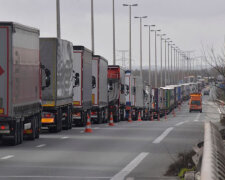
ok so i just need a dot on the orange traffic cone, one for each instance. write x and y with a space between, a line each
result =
111 123
139 116
130 118
158 117
165 115
88 125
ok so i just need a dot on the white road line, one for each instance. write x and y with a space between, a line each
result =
219 110
131 166
197 118
64 137
7 157
163 135
82 132
41 145
180 123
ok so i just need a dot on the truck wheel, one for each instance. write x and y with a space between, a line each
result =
189 110
14 140
33 128
99 120
67 120
37 133
59 121
70 119
21 133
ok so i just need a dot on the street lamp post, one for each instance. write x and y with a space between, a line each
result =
141 17
130 49
156 71
149 68
114 43
92 28
169 70
58 19
165 62
161 71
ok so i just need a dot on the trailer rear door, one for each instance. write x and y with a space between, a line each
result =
4 74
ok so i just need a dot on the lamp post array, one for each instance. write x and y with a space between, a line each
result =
141 17
130 48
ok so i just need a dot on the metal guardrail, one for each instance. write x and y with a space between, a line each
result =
213 162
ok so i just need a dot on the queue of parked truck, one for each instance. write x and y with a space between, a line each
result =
51 83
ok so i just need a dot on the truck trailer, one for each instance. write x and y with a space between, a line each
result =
99 111
20 83
116 92
139 98
82 85
57 97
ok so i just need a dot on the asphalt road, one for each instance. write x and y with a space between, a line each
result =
138 150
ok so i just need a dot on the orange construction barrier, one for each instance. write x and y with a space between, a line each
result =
88 125
139 116
111 123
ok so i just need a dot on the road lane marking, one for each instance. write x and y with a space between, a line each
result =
197 118
64 137
130 167
41 145
7 157
219 110
180 123
163 135
82 132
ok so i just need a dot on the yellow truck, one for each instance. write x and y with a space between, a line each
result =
195 103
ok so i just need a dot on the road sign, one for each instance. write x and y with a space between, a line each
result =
1 71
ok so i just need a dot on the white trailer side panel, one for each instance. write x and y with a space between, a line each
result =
4 72
77 91
95 75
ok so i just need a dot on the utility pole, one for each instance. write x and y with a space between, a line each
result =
92 27
149 68
58 19
114 43
156 71
161 71
130 48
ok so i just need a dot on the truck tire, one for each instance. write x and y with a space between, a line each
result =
20 133
33 128
38 127
14 140
70 118
67 120
59 121
100 118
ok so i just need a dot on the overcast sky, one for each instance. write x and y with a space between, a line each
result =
189 23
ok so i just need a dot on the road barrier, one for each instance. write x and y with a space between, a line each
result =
213 162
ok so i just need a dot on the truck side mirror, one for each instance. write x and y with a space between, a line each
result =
77 80
110 87
122 89
47 75
93 82
127 90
